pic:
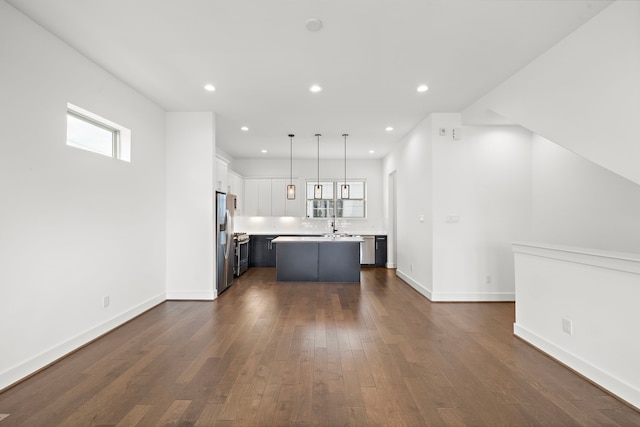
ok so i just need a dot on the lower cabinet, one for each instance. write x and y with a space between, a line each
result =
381 251
263 251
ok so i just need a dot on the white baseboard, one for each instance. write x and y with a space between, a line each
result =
414 284
614 385
474 296
192 295
456 296
29 367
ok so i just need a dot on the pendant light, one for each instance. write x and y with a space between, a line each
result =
291 189
344 188
317 189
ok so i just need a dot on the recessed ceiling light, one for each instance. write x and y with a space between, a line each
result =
244 129
263 151
388 128
313 24
315 88
209 87
372 151
423 88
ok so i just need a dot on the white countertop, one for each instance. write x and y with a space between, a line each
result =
318 239
310 233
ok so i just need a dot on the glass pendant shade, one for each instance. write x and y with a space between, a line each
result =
344 191
291 192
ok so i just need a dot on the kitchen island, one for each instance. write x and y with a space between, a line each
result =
318 259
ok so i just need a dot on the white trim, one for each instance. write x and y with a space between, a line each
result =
224 156
28 367
427 293
457 296
614 385
474 296
192 295
619 261
122 149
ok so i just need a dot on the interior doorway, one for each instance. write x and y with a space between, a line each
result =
393 221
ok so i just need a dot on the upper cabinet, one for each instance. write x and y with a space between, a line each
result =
236 186
222 171
268 197
257 195
227 181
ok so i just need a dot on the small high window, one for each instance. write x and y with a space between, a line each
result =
90 132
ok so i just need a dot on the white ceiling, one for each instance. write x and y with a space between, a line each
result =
369 57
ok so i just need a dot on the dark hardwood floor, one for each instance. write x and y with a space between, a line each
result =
280 354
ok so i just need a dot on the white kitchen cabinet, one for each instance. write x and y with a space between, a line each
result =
222 170
264 197
236 186
278 196
251 191
257 197
268 197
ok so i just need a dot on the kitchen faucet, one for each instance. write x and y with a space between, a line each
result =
334 225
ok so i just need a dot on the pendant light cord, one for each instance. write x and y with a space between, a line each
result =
318 137
345 158
291 159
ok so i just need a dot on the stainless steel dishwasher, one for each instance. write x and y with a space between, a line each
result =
368 250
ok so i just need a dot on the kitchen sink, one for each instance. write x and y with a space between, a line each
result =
334 235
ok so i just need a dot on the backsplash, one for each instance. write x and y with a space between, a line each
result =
292 225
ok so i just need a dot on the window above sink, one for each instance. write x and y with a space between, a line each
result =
332 205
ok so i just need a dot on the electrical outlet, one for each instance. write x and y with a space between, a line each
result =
105 301
487 280
567 326
410 267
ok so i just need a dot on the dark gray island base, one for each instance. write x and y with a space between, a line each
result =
318 259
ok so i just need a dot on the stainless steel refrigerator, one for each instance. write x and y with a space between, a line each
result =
225 206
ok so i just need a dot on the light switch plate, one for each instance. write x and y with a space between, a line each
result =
453 218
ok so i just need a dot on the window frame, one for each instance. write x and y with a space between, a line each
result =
120 136
332 203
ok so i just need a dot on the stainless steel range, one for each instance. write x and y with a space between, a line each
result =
241 259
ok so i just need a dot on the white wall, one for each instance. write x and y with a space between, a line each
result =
74 226
413 164
579 203
584 93
369 170
597 292
576 203
484 180
190 206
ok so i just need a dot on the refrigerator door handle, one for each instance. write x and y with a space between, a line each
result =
227 245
